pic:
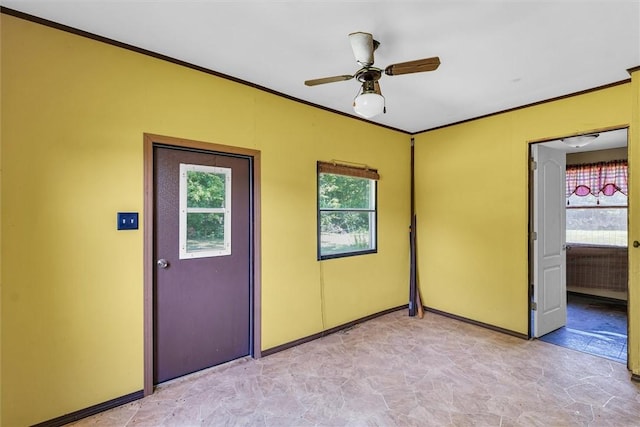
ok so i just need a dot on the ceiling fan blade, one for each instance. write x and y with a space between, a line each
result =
417 66
362 45
315 82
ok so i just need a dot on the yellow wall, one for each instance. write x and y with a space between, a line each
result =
472 207
74 115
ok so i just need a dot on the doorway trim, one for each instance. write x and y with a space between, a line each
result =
151 140
530 230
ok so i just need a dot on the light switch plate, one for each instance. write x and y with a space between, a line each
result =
127 220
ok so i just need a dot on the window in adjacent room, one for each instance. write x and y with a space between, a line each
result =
347 210
597 203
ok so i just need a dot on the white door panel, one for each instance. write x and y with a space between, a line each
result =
552 294
549 278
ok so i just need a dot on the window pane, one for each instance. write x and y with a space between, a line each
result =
344 192
617 199
205 231
205 189
346 232
602 226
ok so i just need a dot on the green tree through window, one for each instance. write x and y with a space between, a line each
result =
205 190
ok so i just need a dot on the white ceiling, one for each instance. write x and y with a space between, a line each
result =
495 55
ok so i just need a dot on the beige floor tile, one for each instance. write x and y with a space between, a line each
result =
397 371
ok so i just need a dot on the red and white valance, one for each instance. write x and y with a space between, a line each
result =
604 178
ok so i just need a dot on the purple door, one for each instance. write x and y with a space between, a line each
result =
202 246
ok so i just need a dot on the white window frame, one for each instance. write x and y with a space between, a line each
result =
184 210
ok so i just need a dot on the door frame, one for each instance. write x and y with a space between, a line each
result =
150 141
530 230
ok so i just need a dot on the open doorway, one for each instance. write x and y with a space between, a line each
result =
588 285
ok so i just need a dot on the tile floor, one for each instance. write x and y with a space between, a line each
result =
595 326
398 371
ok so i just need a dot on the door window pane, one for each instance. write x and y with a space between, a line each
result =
205 211
205 190
205 231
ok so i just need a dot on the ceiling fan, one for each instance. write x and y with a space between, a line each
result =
370 101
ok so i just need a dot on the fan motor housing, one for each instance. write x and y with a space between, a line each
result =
369 74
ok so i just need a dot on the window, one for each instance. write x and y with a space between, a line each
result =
597 204
346 210
205 211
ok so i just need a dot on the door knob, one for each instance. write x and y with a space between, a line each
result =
636 244
163 263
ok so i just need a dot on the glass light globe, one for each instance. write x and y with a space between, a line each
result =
369 105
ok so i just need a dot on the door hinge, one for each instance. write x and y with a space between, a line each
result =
534 235
534 305
534 165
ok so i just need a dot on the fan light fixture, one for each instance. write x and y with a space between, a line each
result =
369 103
580 140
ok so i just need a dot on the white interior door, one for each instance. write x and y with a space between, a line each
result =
549 248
